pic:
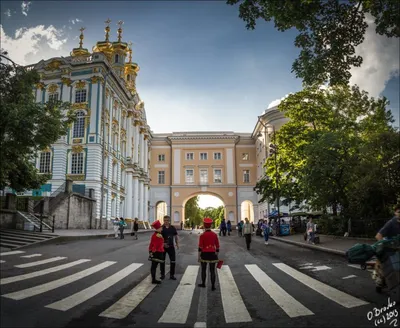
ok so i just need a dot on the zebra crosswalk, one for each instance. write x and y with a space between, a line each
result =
38 281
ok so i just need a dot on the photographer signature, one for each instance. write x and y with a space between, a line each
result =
386 314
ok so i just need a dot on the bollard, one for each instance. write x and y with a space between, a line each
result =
41 220
54 219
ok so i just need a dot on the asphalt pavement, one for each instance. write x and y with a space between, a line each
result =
105 283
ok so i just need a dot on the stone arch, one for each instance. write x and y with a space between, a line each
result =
247 210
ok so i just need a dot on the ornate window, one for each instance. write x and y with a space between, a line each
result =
53 97
189 156
161 177
246 176
80 96
116 58
77 163
45 162
203 176
79 125
217 176
190 176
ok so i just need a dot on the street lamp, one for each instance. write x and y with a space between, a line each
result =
273 150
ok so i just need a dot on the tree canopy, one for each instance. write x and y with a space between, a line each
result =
329 31
26 127
337 151
195 215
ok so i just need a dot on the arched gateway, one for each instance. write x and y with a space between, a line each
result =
187 164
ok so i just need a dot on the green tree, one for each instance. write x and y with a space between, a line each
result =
215 213
338 150
193 212
329 31
26 127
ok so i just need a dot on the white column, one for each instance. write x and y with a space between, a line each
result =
129 130
129 196
146 202
136 140
146 155
66 90
142 151
135 204
141 200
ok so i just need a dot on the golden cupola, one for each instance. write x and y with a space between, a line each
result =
105 46
131 70
120 50
80 51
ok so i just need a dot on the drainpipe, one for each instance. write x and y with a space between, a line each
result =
170 176
237 196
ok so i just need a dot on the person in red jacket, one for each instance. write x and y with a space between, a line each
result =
156 250
208 249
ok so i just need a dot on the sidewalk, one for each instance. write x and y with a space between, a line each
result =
329 244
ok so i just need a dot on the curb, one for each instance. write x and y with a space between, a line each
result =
60 239
318 248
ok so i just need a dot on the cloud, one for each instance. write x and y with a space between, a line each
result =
30 45
276 102
76 20
380 61
7 13
25 6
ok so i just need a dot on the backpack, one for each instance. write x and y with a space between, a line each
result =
360 253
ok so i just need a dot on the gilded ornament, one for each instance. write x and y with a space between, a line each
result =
77 141
77 149
52 88
40 85
130 113
124 113
115 103
114 161
53 65
139 105
107 92
66 80
113 194
80 84
95 79
105 181
114 121
136 123
75 177
76 106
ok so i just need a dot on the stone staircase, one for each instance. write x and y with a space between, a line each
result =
35 221
11 238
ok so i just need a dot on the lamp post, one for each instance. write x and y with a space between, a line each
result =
274 150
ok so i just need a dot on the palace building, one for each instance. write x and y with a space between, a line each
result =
107 147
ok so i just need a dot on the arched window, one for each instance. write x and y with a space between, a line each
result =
116 58
79 125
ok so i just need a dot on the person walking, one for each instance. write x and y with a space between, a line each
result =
156 251
247 231
116 227
136 228
208 253
265 229
310 231
223 227
229 227
169 233
122 225
240 227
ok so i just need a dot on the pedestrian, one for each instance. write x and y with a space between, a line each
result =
208 253
247 231
116 227
136 228
169 233
310 231
265 229
240 227
229 227
156 251
122 225
223 227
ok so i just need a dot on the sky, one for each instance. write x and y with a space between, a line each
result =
201 69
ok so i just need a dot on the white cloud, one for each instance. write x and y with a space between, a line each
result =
276 102
209 201
74 21
7 13
380 61
30 45
25 6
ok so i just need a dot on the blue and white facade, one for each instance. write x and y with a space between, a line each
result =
107 148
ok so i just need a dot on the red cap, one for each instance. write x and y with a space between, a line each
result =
156 224
207 222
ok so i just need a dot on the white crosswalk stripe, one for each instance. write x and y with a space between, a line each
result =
333 294
31 264
82 296
2 261
291 306
34 274
25 293
178 308
234 308
32 255
131 300
234 298
11 253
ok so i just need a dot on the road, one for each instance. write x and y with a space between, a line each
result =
105 283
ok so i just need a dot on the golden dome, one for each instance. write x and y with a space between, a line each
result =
80 51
